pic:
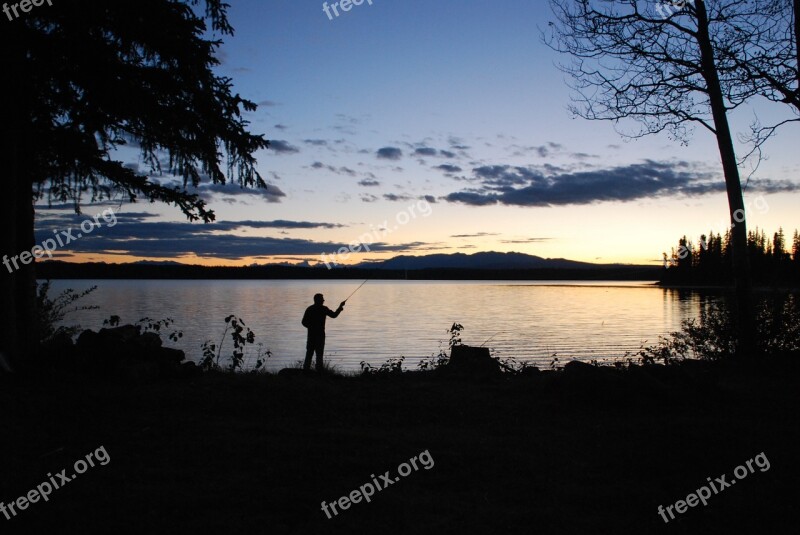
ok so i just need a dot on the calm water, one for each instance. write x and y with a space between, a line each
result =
526 320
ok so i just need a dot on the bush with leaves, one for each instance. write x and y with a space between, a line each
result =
392 366
146 325
437 361
50 312
241 335
712 336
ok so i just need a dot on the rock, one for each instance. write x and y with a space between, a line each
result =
60 341
134 370
124 333
127 352
640 378
669 375
88 338
530 371
188 369
471 361
149 340
576 368
168 354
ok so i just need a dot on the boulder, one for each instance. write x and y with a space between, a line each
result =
530 371
124 333
576 368
127 352
471 361
149 340
189 369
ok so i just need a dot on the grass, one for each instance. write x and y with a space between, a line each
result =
556 453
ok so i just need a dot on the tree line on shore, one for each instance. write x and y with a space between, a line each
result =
774 261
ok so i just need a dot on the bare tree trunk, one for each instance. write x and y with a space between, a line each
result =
745 328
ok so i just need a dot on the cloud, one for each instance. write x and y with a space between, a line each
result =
267 103
369 182
448 168
526 240
227 192
389 153
316 142
478 235
277 223
395 197
281 127
529 186
543 151
457 143
282 146
368 197
136 234
430 151
337 170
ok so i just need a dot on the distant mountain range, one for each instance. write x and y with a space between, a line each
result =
458 266
487 260
156 263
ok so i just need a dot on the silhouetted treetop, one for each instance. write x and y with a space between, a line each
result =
94 76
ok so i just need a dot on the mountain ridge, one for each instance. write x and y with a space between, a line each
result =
481 260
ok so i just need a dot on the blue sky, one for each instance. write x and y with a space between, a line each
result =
453 106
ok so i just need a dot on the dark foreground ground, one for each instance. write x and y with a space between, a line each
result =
258 454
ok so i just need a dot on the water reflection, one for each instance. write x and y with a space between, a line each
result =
527 320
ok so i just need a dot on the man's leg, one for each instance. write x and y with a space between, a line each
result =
320 351
309 352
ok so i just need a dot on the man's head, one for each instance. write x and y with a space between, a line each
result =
318 299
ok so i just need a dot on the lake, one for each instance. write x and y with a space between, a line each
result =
527 320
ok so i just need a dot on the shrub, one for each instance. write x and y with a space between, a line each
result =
712 336
50 312
437 361
241 335
393 366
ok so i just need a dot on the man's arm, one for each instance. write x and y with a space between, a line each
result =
333 314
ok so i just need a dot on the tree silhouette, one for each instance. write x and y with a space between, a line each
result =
772 68
709 263
670 72
88 77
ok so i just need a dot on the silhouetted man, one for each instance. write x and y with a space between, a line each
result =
314 321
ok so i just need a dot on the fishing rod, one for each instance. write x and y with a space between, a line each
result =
357 289
492 338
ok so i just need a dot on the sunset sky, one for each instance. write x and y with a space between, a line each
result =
456 109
